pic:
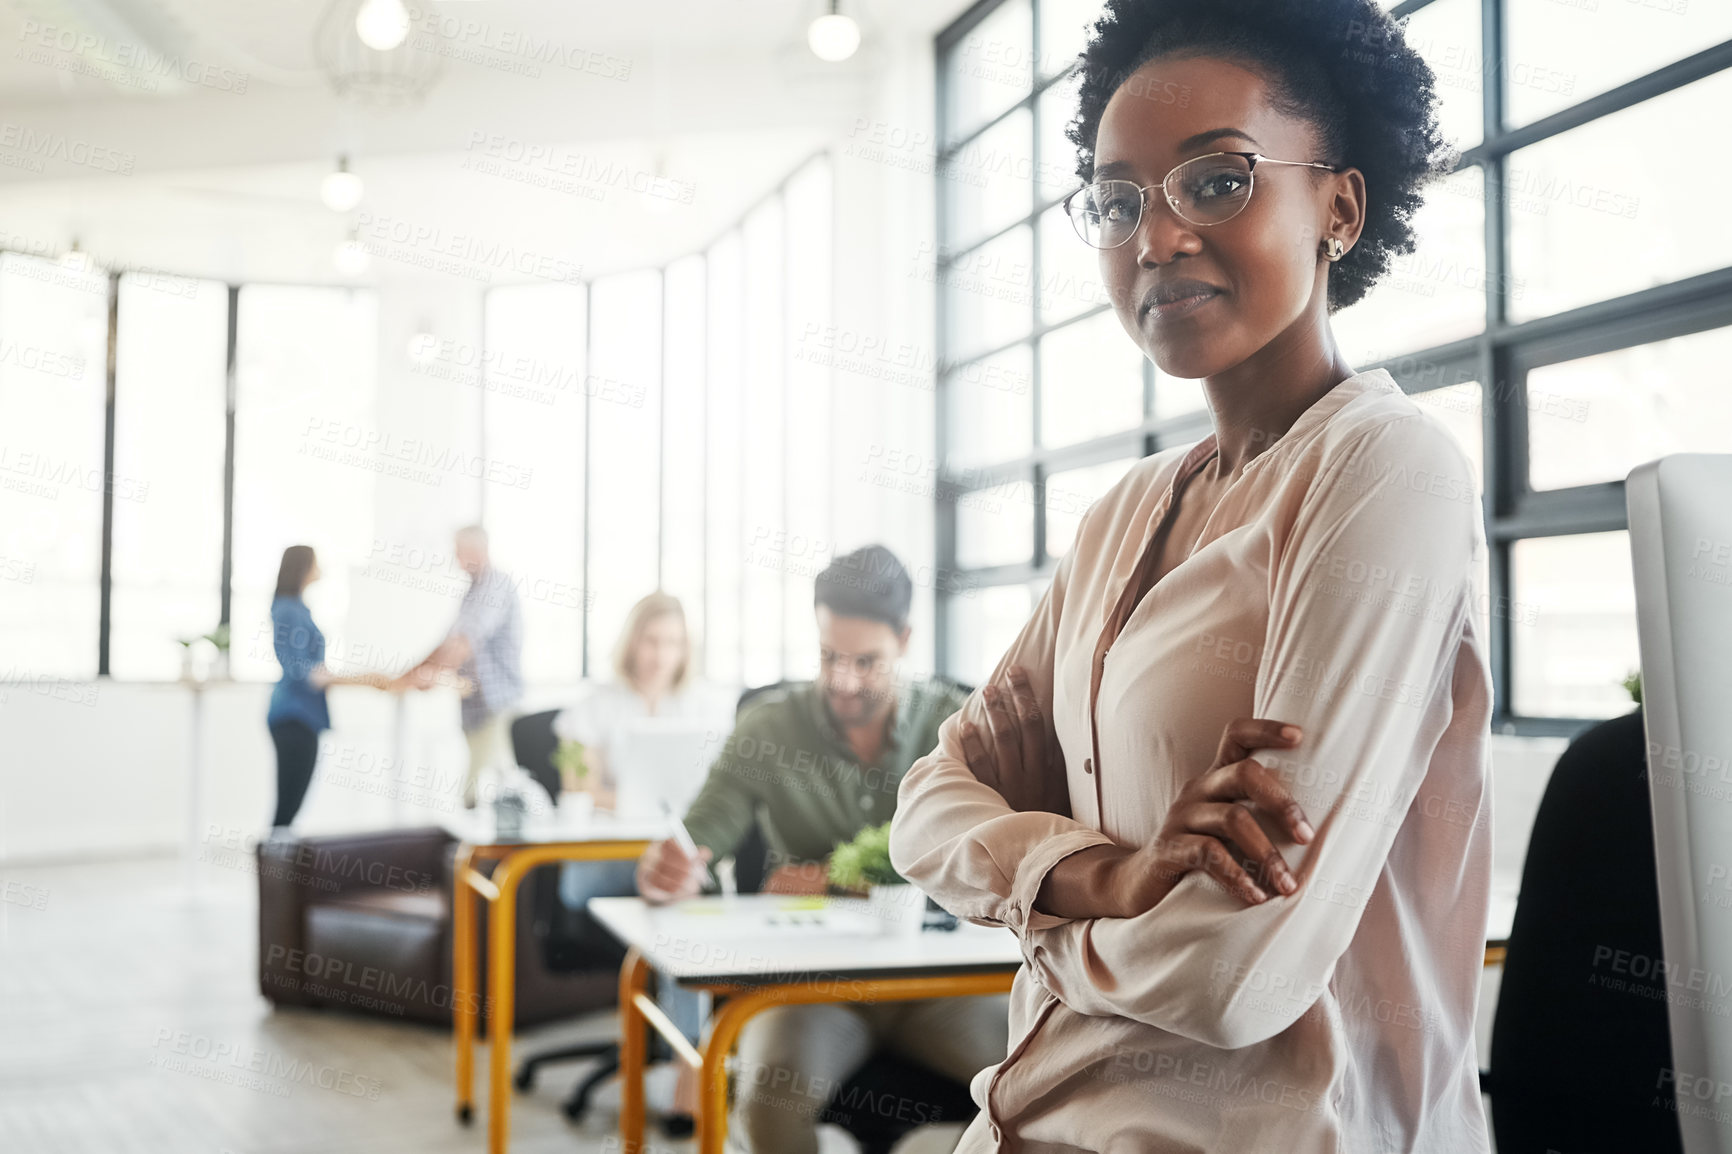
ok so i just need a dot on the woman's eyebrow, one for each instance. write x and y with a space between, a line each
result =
1189 144
1213 135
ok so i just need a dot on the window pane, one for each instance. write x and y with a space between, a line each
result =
625 451
987 294
723 460
990 69
536 531
1070 271
683 416
761 615
1435 294
1572 625
808 447
991 408
1091 381
1068 496
170 405
1587 224
987 185
1064 29
983 623
995 526
1054 109
309 451
53 400
1563 53
1447 34
1595 419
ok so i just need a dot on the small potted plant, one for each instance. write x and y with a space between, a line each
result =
188 672
219 637
573 766
864 864
1633 686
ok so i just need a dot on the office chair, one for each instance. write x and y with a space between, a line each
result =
1681 561
1578 1040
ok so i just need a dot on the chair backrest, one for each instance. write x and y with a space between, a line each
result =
1680 521
533 744
1580 1035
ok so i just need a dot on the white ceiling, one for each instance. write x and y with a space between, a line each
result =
722 95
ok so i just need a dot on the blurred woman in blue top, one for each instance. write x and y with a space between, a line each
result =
298 713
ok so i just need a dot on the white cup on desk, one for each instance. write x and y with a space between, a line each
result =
901 907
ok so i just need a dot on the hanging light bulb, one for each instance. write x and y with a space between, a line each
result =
351 256
382 24
424 345
341 190
833 37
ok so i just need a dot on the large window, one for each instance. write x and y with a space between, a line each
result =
535 413
53 476
309 449
170 426
1564 315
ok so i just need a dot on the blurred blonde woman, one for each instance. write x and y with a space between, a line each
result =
652 677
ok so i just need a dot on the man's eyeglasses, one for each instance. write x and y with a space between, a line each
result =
1204 190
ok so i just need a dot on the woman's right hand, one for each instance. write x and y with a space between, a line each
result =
1211 816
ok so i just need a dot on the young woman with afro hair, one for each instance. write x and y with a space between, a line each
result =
1228 787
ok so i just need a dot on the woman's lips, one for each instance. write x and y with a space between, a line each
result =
1182 307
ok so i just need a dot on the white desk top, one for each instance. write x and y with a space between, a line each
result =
763 937
476 827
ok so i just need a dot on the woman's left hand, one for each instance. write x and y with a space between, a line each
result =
1019 755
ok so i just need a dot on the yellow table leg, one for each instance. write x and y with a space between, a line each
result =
739 1008
633 980
463 1007
501 1002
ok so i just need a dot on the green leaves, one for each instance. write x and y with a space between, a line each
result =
865 861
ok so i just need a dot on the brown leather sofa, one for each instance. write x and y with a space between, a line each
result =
363 922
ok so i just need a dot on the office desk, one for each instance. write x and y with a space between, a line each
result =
757 951
554 837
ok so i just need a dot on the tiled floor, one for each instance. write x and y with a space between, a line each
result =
130 1021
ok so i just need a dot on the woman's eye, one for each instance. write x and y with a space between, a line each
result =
1117 208
1217 185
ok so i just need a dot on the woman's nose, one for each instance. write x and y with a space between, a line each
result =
1161 234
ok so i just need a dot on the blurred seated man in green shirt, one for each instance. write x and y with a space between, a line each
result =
815 763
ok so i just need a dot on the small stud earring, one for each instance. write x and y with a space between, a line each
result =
1333 249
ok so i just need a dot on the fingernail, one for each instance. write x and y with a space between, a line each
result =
1290 732
1258 894
1287 884
1306 833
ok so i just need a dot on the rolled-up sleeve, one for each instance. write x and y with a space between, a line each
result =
958 839
1369 593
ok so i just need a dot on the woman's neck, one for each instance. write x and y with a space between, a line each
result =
1257 401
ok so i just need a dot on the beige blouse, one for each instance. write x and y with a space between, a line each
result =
1333 588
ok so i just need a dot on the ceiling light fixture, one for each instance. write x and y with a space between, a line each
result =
833 36
351 256
341 190
382 24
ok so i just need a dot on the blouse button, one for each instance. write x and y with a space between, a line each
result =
1088 765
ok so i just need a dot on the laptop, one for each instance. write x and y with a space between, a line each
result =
656 759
